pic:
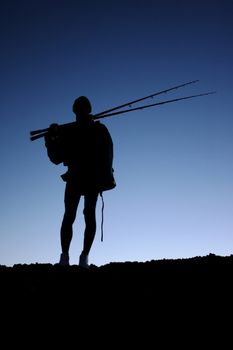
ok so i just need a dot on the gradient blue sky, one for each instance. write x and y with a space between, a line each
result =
173 164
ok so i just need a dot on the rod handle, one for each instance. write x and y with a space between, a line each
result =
33 138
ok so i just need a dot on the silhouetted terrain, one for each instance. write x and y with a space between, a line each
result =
152 294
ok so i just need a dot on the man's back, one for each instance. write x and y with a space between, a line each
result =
86 148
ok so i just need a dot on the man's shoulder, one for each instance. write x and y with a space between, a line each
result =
99 125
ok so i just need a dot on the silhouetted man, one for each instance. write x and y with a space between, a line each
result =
86 148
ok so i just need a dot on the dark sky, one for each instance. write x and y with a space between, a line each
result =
173 163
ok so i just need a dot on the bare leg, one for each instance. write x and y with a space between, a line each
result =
89 212
72 198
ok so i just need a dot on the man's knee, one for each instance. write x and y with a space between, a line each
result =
69 216
89 212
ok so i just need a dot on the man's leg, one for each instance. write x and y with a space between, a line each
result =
72 198
89 212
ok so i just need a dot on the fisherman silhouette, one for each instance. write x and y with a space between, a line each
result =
86 148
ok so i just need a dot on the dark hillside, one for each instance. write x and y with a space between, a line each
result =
154 295
126 282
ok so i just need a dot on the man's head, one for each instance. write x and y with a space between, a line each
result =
82 106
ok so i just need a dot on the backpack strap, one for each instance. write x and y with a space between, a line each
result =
102 218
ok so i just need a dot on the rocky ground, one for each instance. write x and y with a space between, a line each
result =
153 296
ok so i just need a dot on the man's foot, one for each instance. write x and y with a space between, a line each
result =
64 259
83 261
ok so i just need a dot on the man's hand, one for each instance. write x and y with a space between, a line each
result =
53 132
53 129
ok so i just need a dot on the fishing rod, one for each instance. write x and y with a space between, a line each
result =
35 132
42 132
154 104
146 97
